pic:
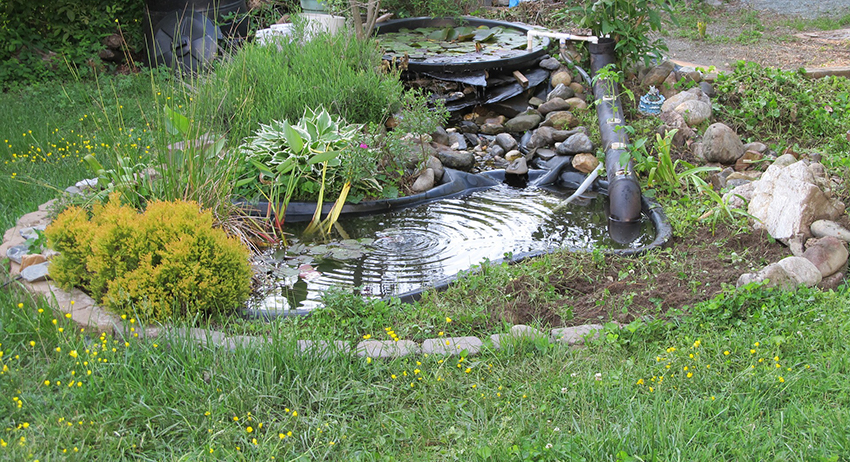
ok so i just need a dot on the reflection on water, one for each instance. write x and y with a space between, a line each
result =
417 247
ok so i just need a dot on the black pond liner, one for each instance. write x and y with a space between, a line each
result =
455 184
508 64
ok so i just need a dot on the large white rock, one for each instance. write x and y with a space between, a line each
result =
694 111
786 200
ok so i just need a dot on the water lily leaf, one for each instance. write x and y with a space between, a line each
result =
319 250
343 254
286 272
451 34
439 35
464 33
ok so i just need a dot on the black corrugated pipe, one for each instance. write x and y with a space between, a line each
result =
623 188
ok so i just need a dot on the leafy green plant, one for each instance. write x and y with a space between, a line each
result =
166 263
630 23
720 210
611 79
664 173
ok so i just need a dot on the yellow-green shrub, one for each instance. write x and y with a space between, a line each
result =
166 263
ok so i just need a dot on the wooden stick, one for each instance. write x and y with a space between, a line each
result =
521 79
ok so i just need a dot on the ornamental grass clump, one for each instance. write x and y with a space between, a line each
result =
163 264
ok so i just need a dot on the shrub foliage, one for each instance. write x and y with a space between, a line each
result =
166 263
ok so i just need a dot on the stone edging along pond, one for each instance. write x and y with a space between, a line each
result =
85 312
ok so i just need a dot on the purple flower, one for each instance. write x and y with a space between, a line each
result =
364 146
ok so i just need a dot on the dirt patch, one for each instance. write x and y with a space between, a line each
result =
688 271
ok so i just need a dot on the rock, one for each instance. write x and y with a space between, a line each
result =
29 260
523 122
506 141
677 99
517 167
787 200
718 179
668 87
492 129
824 228
561 135
787 273
496 151
553 105
440 136
472 140
578 88
575 144
829 254
541 137
460 160
535 101
561 77
658 74
784 160
452 345
585 162
550 64
577 103
560 120
747 160
832 282
36 273
571 180
457 141
510 107
708 89
575 335
695 112
424 181
436 166
523 332
561 91
688 73
739 196
468 126
760 148
674 121
17 253
546 154
721 144
513 155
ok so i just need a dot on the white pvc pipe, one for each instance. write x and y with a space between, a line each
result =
558 35
582 188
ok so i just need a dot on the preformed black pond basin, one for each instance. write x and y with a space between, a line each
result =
413 248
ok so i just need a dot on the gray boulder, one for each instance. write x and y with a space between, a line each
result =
561 91
424 181
788 273
824 228
506 141
827 253
560 120
523 122
460 160
721 144
517 167
575 144
436 166
695 112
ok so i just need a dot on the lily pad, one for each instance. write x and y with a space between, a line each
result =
343 254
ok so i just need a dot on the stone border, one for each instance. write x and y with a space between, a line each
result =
87 314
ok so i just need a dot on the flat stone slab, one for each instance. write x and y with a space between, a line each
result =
323 348
575 335
452 345
386 348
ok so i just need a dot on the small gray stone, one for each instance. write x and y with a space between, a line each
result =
708 89
523 122
513 155
517 167
468 126
577 103
73 190
457 141
560 77
506 141
452 345
535 101
755 146
695 112
827 253
460 160
440 136
575 144
15 253
560 120
721 144
386 348
36 273
492 128
676 100
787 273
824 228
31 232
546 154
434 164
575 335
658 74
424 181
561 91
550 64
553 105
523 332
496 151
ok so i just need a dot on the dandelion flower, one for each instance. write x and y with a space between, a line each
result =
726 352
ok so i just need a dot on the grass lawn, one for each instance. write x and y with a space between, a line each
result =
752 374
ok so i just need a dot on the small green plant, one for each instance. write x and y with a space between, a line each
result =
630 23
611 79
664 173
164 264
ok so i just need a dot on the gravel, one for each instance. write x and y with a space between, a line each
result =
805 8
